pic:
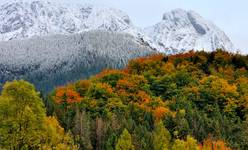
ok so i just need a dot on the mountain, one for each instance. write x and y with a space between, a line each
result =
50 61
179 30
187 30
22 19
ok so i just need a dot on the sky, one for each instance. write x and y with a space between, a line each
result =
229 15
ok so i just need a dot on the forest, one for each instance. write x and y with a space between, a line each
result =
188 101
54 60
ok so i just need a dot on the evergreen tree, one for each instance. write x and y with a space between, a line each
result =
81 130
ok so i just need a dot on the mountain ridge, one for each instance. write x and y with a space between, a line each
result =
21 19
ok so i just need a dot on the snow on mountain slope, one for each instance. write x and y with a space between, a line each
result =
55 60
178 31
22 19
187 30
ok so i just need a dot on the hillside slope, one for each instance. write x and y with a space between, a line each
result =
192 101
55 60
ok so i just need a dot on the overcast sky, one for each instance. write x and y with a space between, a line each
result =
230 15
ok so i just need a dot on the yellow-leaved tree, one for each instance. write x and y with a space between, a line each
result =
24 124
125 141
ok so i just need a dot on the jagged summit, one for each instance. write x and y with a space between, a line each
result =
185 30
22 19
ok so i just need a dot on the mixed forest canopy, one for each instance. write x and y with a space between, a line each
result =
189 101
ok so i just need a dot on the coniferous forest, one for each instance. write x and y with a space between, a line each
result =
189 101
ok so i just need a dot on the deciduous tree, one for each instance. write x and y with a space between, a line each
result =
125 141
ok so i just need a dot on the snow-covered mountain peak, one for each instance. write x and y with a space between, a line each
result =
179 29
24 19
187 30
176 13
181 19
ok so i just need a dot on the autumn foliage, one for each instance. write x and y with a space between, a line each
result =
66 95
160 112
209 144
192 96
